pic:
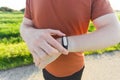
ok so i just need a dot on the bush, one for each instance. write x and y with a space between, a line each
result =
13 55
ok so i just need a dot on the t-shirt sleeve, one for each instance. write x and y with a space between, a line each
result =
27 12
100 8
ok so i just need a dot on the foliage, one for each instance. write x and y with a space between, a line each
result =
118 14
12 55
91 27
22 10
13 52
6 9
9 27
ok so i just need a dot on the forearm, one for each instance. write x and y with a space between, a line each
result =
26 28
100 39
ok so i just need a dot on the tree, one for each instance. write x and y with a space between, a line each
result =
6 9
22 10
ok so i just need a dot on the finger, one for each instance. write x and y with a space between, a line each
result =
35 62
56 45
40 53
49 49
44 63
48 60
56 32
36 59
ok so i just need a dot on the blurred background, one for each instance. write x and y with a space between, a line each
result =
13 50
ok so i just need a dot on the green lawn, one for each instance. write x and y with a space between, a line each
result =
13 50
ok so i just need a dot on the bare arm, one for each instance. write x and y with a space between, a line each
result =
40 36
107 34
42 45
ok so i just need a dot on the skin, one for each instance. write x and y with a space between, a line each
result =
46 49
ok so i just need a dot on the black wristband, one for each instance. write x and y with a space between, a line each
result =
65 42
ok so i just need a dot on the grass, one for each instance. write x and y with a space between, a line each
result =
13 51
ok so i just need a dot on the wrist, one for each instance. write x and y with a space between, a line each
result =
69 43
65 42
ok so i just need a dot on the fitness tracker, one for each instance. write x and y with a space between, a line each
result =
65 42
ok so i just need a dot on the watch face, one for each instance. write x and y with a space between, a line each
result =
65 41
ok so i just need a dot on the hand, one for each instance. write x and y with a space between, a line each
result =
43 46
49 59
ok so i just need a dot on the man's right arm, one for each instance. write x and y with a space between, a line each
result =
41 43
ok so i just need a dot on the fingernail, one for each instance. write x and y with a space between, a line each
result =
65 52
63 33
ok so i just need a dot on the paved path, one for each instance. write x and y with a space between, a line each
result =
98 67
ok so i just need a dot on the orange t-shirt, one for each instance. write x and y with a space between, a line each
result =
72 18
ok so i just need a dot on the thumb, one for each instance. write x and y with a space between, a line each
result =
55 32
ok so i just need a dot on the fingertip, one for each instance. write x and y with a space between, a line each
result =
65 52
62 34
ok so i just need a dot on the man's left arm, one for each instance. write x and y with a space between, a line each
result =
107 34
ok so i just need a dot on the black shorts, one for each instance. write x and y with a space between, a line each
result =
75 76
